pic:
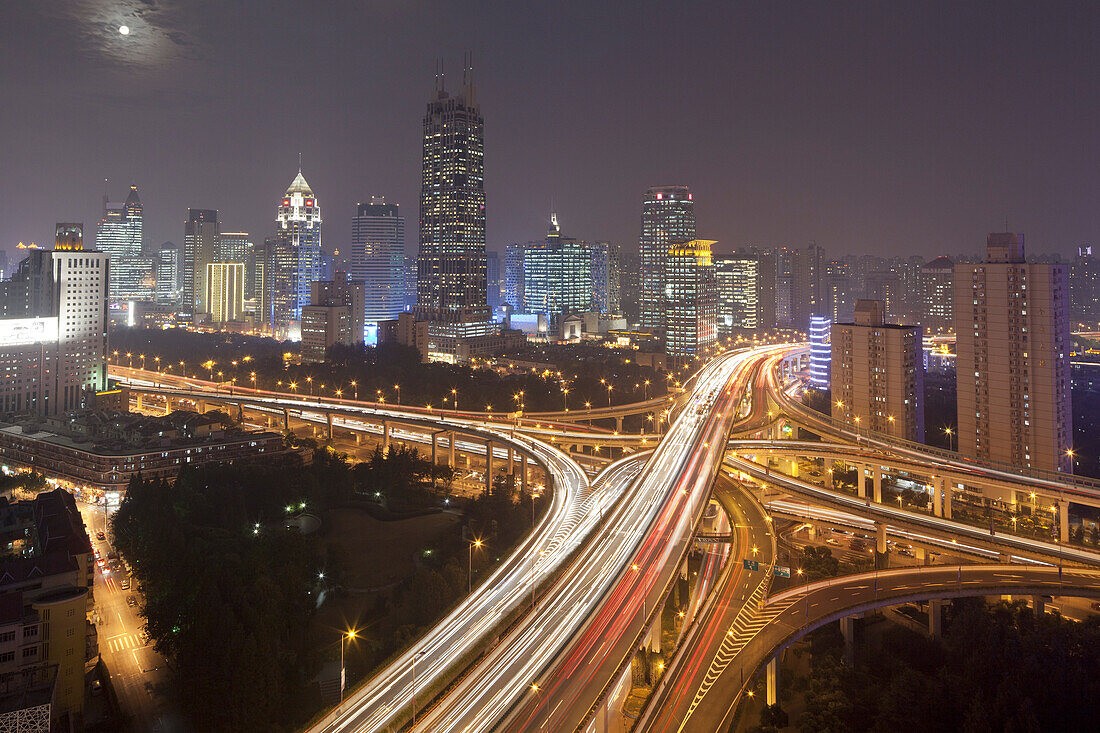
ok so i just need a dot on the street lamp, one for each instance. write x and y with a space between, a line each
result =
609 395
950 436
397 389
470 566
646 393
454 398
349 636
310 380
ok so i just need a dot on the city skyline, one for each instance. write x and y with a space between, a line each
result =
905 156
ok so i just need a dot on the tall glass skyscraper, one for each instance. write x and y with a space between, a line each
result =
119 235
378 260
200 245
691 311
451 278
557 277
737 281
297 255
668 217
820 351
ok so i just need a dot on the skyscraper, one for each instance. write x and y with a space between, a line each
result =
1012 333
233 247
493 290
668 217
450 285
513 275
168 268
691 324
119 235
1084 286
53 345
557 277
351 294
736 279
225 291
378 261
200 247
297 260
837 289
877 374
820 356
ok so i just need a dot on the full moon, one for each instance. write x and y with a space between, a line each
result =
124 30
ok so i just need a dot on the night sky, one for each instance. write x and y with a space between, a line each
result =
887 127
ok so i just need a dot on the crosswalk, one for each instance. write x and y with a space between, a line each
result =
122 642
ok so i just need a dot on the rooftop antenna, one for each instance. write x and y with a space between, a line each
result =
299 163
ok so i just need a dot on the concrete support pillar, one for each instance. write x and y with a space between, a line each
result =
167 405
935 618
876 477
811 531
202 407
488 464
140 400
328 422
772 675
794 466
684 569
286 419
618 424
385 436
946 498
655 633
848 629
511 461
1063 521
921 555
523 473
861 487
435 449
937 498
451 450
1038 604
829 474
358 437
880 538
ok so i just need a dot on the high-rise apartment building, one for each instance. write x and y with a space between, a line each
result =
200 247
767 316
1012 331
877 374
937 296
53 342
837 290
807 297
324 326
1084 288
225 291
737 282
350 293
119 235
691 318
297 256
378 260
450 285
605 269
668 218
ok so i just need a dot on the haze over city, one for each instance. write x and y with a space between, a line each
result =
880 128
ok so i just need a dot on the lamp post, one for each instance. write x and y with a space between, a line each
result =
310 380
355 389
646 383
351 634
950 438
397 389
470 566
454 398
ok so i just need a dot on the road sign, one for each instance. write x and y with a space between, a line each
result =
751 564
781 572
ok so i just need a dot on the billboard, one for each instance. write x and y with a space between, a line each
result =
26 331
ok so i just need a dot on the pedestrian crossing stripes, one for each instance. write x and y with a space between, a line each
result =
123 642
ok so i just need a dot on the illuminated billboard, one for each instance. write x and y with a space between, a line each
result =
25 331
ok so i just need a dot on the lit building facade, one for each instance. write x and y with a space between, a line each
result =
668 218
297 256
168 270
1012 332
346 292
378 260
557 277
820 351
806 296
119 234
937 295
513 275
737 282
324 326
877 374
451 262
225 291
691 315
1084 283
200 247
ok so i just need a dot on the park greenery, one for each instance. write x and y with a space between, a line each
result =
997 667
394 373
229 590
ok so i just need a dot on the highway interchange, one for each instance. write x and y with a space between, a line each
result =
602 559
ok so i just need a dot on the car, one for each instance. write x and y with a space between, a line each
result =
100 536
131 601
124 584
1096 606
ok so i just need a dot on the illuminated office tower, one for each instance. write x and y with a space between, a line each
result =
668 218
737 282
200 247
493 290
450 283
513 275
410 284
119 235
53 345
937 295
168 267
1012 332
820 351
225 291
378 261
877 374
691 323
557 277
606 288
297 260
